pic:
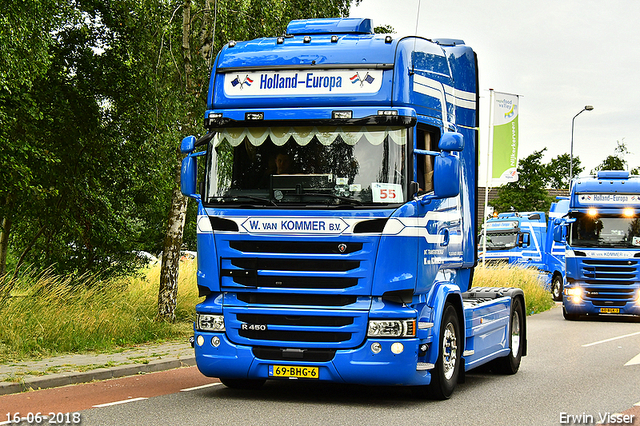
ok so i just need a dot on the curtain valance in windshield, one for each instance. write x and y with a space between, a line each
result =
326 135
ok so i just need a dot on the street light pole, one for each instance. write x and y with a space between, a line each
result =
586 108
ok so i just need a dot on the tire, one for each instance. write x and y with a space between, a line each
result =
569 317
243 383
444 377
556 288
511 363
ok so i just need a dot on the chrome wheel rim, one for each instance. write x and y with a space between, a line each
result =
515 333
449 351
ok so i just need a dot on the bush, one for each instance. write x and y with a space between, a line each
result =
537 299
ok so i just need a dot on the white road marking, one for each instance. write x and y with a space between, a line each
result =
635 360
119 402
200 387
610 340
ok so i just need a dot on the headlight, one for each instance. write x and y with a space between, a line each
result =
208 322
575 292
392 328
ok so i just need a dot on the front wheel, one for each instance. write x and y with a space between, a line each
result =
444 376
569 317
556 288
511 363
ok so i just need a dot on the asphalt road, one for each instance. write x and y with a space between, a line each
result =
581 368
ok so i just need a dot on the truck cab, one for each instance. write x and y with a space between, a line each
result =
603 246
337 214
526 239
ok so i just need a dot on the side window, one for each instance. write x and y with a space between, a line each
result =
427 140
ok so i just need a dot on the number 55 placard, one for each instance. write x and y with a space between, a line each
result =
387 193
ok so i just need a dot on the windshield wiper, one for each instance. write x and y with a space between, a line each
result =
246 197
334 196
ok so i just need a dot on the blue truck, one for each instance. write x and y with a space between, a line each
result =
527 239
603 246
337 214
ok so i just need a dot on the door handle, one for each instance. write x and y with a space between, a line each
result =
445 241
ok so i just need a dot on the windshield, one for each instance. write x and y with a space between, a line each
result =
331 165
605 231
499 240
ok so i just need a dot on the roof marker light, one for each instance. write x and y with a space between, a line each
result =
388 39
592 212
334 38
628 212
254 116
341 114
232 43
280 40
307 39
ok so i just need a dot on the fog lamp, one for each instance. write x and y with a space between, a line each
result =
215 341
397 348
200 340
376 347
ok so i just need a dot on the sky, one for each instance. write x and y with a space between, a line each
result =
557 55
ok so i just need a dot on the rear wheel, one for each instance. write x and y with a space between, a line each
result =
444 376
511 363
242 383
556 288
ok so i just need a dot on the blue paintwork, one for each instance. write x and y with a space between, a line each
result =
427 248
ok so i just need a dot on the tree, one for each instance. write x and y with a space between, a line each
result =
226 20
529 192
558 171
615 161
384 29
84 145
23 59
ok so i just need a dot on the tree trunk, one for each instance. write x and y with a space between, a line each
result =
168 294
5 228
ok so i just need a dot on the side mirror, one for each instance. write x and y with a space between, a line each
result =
559 234
451 141
188 145
188 176
446 176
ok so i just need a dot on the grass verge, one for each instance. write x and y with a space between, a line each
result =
46 315
537 299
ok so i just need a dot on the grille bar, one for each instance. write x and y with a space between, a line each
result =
296 299
295 320
293 247
319 265
296 336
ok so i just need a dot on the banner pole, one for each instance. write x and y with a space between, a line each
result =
486 184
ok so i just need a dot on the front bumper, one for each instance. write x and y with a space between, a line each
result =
576 306
357 366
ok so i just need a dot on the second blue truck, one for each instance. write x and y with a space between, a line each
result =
527 239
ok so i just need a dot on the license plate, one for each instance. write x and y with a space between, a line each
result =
609 310
293 371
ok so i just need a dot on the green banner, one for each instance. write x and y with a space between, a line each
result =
505 139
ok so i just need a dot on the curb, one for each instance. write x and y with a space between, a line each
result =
72 378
